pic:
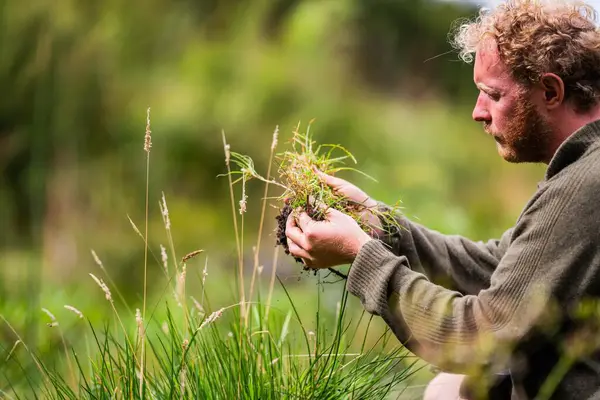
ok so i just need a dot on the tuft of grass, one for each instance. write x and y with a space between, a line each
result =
276 356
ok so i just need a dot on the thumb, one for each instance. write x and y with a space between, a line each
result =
333 214
329 212
328 179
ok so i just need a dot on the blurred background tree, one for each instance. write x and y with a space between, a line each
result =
76 77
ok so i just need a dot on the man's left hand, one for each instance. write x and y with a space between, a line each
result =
321 244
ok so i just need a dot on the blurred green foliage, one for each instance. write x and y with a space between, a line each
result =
76 77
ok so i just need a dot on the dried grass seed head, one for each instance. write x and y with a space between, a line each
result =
139 322
165 212
165 259
212 317
243 201
205 271
198 306
12 350
180 286
135 228
191 255
74 310
97 259
275 137
103 286
148 136
53 320
49 314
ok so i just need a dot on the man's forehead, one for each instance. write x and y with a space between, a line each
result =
488 59
488 65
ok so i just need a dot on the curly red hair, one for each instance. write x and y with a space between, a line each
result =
537 37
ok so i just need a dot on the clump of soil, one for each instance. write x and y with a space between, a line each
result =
281 223
281 238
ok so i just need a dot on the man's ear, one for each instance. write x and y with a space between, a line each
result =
554 90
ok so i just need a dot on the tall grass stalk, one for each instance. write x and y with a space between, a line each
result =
181 281
55 324
167 222
147 146
242 209
262 216
204 275
272 281
227 150
238 240
179 288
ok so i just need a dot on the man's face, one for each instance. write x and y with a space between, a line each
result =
508 112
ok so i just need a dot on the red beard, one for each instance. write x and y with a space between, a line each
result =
527 135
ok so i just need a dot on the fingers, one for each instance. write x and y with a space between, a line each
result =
337 217
304 221
329 180
298 251
294 233
297 241
307 224
332 213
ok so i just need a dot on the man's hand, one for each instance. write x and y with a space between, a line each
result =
322 244
356 195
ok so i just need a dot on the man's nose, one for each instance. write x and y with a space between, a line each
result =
480 112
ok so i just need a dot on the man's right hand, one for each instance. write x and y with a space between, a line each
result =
356 195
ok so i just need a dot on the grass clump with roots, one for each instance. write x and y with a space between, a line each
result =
246 350
303 188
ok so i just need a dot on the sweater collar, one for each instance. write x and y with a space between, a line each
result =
573 148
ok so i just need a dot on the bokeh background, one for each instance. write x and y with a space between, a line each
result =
76 77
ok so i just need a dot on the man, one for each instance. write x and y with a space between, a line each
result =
520 307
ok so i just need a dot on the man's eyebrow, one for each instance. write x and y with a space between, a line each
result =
486 88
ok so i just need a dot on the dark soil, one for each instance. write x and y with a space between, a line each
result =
282 238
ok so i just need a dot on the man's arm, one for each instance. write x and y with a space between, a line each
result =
451 260
553 257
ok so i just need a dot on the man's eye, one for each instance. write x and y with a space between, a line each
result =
494 96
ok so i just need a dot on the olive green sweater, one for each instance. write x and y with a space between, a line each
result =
508 304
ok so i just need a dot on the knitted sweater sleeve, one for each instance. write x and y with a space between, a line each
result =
451 260
455 331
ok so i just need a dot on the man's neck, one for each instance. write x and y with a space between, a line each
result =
570 122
